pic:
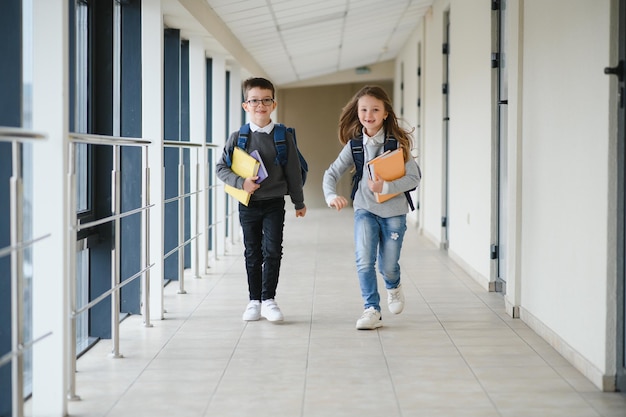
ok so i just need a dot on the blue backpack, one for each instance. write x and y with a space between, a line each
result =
280 142
356 145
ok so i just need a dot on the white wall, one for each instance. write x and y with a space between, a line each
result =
470 74
558 143
565 173
405 97
470 96
432 104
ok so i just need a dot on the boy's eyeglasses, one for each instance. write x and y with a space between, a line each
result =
266 102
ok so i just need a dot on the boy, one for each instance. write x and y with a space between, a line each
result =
262 221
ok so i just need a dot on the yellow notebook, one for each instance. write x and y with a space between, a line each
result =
245 166
389 166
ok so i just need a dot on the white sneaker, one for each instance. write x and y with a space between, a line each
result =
370 319
270 310
253 311
395 299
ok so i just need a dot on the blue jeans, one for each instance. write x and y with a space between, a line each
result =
380 237
262 223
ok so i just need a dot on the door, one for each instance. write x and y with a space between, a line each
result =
619 72
498 249
445 90
417 147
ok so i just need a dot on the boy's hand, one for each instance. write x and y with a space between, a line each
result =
339 202
301 212
250 186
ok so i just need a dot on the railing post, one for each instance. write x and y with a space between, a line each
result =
199 194
17 306
145 228
115 258
71 259
181 221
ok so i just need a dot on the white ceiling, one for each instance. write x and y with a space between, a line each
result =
297 40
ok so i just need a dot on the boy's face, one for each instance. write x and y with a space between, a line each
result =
260 113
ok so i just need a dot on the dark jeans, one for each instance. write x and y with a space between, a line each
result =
262 223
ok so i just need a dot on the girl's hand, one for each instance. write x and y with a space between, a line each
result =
376 185
339 202
250 186
301 212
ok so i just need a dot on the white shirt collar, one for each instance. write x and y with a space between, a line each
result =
265 129
378 138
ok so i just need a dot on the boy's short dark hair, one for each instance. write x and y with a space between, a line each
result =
256 82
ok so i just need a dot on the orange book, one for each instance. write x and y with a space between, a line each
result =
389 166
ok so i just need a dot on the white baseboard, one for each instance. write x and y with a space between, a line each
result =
475 275
603 382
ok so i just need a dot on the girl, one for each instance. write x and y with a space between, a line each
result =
378 227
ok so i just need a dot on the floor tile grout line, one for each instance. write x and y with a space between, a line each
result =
311 315
226 366
234 349
393 384
513 329
471 369
165 343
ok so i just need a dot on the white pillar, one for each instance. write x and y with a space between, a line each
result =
235 122
514 47
152 129
235 99
197 129
50 207
219 138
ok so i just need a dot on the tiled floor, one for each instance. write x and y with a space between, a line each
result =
453 352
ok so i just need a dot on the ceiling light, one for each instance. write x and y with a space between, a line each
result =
311 21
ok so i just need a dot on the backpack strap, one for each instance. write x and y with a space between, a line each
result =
242 142
244 134
280 142
356 145
391 144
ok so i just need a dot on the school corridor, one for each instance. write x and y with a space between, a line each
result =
453 352
122 281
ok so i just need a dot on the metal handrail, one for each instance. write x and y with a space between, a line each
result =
180 199
181 144
182 196
108 219
115 218
104 295
20 246
93 139
181 245
16 136
6 358
12 134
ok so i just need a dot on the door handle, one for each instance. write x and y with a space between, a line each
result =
617 70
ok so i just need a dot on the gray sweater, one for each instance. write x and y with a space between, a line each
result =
281 180
364 197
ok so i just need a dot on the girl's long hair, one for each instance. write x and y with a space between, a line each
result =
350 127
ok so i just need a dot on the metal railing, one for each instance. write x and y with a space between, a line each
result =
204 187
115 218
231 211
16 249
211 190
179 199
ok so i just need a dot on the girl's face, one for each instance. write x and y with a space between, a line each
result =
260 114
372 114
